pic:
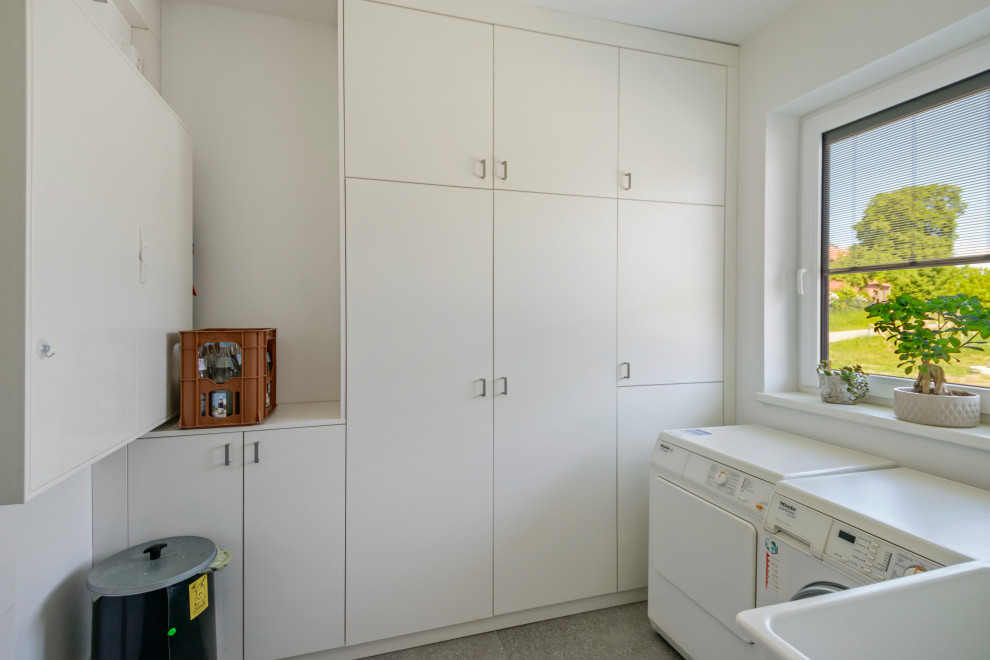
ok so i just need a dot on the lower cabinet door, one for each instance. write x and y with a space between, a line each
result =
293 541
554 399
191 485
643 413
419 408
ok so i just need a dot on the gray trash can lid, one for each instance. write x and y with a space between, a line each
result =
151 566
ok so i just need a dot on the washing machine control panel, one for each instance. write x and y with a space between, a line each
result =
741 489
871 555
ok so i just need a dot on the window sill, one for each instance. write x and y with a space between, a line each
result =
879 416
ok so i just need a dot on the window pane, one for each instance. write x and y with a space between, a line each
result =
851 340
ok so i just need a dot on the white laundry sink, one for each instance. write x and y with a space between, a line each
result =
939 614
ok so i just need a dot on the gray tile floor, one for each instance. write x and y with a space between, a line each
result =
615 633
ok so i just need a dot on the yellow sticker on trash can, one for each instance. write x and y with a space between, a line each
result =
199 597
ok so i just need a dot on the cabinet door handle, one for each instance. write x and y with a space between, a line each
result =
484 387
505 170
484 168
628 367
628 177
505 385
257 459
226 454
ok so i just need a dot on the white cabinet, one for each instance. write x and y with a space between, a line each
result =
670 306
275 499
554 399
642 413
191 485
104 167
419 366
672 115
556 111
293 541
417 96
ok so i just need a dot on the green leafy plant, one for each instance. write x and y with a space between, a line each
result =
857 384
925 333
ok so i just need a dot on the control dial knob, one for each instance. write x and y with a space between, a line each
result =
721 478
914 570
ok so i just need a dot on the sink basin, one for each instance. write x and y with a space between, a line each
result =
939 614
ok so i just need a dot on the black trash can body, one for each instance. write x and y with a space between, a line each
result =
156 601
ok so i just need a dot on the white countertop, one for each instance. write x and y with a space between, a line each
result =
286 415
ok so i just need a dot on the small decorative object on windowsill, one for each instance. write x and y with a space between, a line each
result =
925 333
845 385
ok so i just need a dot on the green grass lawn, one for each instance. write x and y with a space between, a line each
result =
846 319
877 356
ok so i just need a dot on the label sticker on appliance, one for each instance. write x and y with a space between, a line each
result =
775 567
199 597
695 432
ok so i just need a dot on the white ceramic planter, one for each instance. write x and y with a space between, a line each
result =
954 411
834 390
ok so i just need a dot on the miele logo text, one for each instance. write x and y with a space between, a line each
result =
786 507
665 447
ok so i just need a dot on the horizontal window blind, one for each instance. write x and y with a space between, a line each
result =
908 187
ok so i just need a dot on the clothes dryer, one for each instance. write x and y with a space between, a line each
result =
709 490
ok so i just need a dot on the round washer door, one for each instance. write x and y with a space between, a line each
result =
818 589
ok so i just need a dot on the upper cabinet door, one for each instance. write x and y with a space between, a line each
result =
556 109
85 192
671 129
418 96
671 319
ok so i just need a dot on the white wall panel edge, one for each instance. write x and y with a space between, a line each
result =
511 14
14 252
731 209
341 182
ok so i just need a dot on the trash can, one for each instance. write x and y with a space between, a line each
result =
156 601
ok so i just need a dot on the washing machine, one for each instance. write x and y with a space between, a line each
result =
709 491
831 533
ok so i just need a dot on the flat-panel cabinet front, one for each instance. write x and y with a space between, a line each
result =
191 485
82 396
419 407
671 269
672 132
555 399
556 112
643 413
417 95
293 541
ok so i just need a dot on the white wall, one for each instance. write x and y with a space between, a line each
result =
814 55
45 554
258 93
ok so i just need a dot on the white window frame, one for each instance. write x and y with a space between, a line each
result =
944 71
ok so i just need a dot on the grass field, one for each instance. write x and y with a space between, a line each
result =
846 319
877 356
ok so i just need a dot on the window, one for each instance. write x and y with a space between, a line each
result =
904 210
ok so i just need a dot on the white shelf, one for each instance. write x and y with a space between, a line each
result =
880 416
286 415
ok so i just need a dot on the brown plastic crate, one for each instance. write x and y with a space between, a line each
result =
248 389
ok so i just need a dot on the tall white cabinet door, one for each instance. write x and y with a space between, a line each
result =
417 95
186 486
556 111
672 129
671 318
643 413
554 399
293 541
165 260
419 426
83 243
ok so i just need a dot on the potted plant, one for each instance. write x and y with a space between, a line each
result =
925 333
845 385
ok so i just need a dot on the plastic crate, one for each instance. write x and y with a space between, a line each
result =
247 398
